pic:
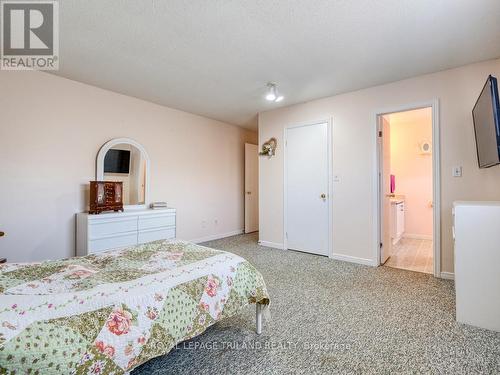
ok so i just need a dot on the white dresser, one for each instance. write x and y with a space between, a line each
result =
95 233
477 263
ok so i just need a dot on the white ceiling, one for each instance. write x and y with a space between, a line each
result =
214 57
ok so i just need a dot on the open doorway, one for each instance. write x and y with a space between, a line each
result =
407 190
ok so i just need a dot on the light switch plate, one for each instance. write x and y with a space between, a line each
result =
457 171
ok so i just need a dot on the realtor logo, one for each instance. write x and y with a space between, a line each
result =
30 35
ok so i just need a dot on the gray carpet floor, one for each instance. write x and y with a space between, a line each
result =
330 317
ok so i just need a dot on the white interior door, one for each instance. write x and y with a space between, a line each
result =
251 188
385 189
306 188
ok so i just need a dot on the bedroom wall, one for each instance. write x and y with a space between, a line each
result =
354 155
51 129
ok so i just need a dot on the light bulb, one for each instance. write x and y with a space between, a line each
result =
272 93
271 97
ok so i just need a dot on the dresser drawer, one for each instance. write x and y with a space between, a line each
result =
96 233
112 242
109 227
156 221
156 234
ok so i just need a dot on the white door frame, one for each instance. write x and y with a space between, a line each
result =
436 179
329 123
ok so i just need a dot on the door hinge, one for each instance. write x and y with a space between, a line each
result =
380 133
381 245
286 235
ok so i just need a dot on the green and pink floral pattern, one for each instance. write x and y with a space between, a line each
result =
110 312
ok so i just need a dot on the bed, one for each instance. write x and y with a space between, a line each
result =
108 313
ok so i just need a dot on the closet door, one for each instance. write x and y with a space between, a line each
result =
251 188
307 189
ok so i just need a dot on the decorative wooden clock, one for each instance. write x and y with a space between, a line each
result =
106 196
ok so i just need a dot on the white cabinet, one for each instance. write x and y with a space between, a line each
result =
397 220
400 219
477 263
113 230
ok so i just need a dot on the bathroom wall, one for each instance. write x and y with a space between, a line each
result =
413 169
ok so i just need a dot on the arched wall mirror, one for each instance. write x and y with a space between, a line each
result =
125 160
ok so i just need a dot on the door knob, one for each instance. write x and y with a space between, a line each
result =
323 196
249 192
2 234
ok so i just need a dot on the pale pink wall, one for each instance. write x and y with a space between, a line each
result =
51 130
354 156
412 168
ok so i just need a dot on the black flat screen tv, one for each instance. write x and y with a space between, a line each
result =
486 115
117 161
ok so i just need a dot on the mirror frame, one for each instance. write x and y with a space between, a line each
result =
100 167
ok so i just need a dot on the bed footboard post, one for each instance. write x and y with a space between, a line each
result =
258 318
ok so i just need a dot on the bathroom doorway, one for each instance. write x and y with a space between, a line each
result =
407 190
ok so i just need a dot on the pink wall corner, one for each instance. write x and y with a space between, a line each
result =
413 168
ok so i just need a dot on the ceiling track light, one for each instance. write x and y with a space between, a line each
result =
272 93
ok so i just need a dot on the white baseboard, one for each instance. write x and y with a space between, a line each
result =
274 245
417 236
345 258
217 236
448 275
348 258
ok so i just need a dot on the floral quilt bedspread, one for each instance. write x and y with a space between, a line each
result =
110 312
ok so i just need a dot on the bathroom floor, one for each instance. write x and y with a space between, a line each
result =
412 254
